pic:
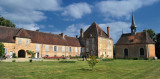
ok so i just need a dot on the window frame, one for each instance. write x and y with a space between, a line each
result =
47 48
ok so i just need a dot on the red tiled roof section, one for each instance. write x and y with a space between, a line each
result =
139 38
8 34
48 38
22 33
95 30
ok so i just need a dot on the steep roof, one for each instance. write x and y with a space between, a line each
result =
95 30
138 38
8 34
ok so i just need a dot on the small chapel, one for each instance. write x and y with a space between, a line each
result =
135 44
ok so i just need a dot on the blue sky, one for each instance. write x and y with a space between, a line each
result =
68 16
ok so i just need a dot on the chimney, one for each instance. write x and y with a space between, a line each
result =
76 36
108 31
81 32
62 34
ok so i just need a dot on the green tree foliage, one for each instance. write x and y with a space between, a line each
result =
157 45
151 33
2 53
32 53
92 62
6 22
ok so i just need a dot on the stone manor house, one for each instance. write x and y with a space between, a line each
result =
94 41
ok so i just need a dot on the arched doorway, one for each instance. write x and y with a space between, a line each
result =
141 52
21 54
125 53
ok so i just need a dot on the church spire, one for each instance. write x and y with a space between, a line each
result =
133 26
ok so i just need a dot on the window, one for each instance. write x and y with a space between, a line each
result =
125 52
55 55
70 49
6 51
19 41
76 50
37 47
87 50
93 46
63 48
141 51
87 42
26 41
62 55
92 40
55 48
81 49
47 48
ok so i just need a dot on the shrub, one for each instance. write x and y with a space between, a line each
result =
92 62
109 59
30 60
14 55
58 58
67 61
32 53
13 60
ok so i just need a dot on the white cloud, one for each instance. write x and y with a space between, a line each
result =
72 30
28 26
77 10
24 12
116 29
121 8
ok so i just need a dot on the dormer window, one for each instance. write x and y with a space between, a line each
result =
131 40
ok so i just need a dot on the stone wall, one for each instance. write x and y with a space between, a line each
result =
105 47
134 50
15 47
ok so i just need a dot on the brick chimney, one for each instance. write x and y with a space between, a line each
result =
62 34
81 33
108 31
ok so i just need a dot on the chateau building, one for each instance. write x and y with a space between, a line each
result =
135 44
94 41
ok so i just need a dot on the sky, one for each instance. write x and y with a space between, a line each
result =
68 16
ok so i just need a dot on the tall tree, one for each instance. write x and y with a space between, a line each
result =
151 33
6 22
2 53
157 45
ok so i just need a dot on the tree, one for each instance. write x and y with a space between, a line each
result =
2 53
151 33
92 62
157 45
32 53
6 22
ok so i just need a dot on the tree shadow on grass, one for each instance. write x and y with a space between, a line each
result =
85 69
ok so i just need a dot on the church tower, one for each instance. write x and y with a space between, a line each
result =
133 26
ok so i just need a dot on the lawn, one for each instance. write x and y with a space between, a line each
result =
117 69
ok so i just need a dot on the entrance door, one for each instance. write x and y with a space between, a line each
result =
37 55
11 54
125 53
21 54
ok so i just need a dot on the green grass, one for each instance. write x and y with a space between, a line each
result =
117 69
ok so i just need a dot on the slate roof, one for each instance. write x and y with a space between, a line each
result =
8 34
139 38
95 30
